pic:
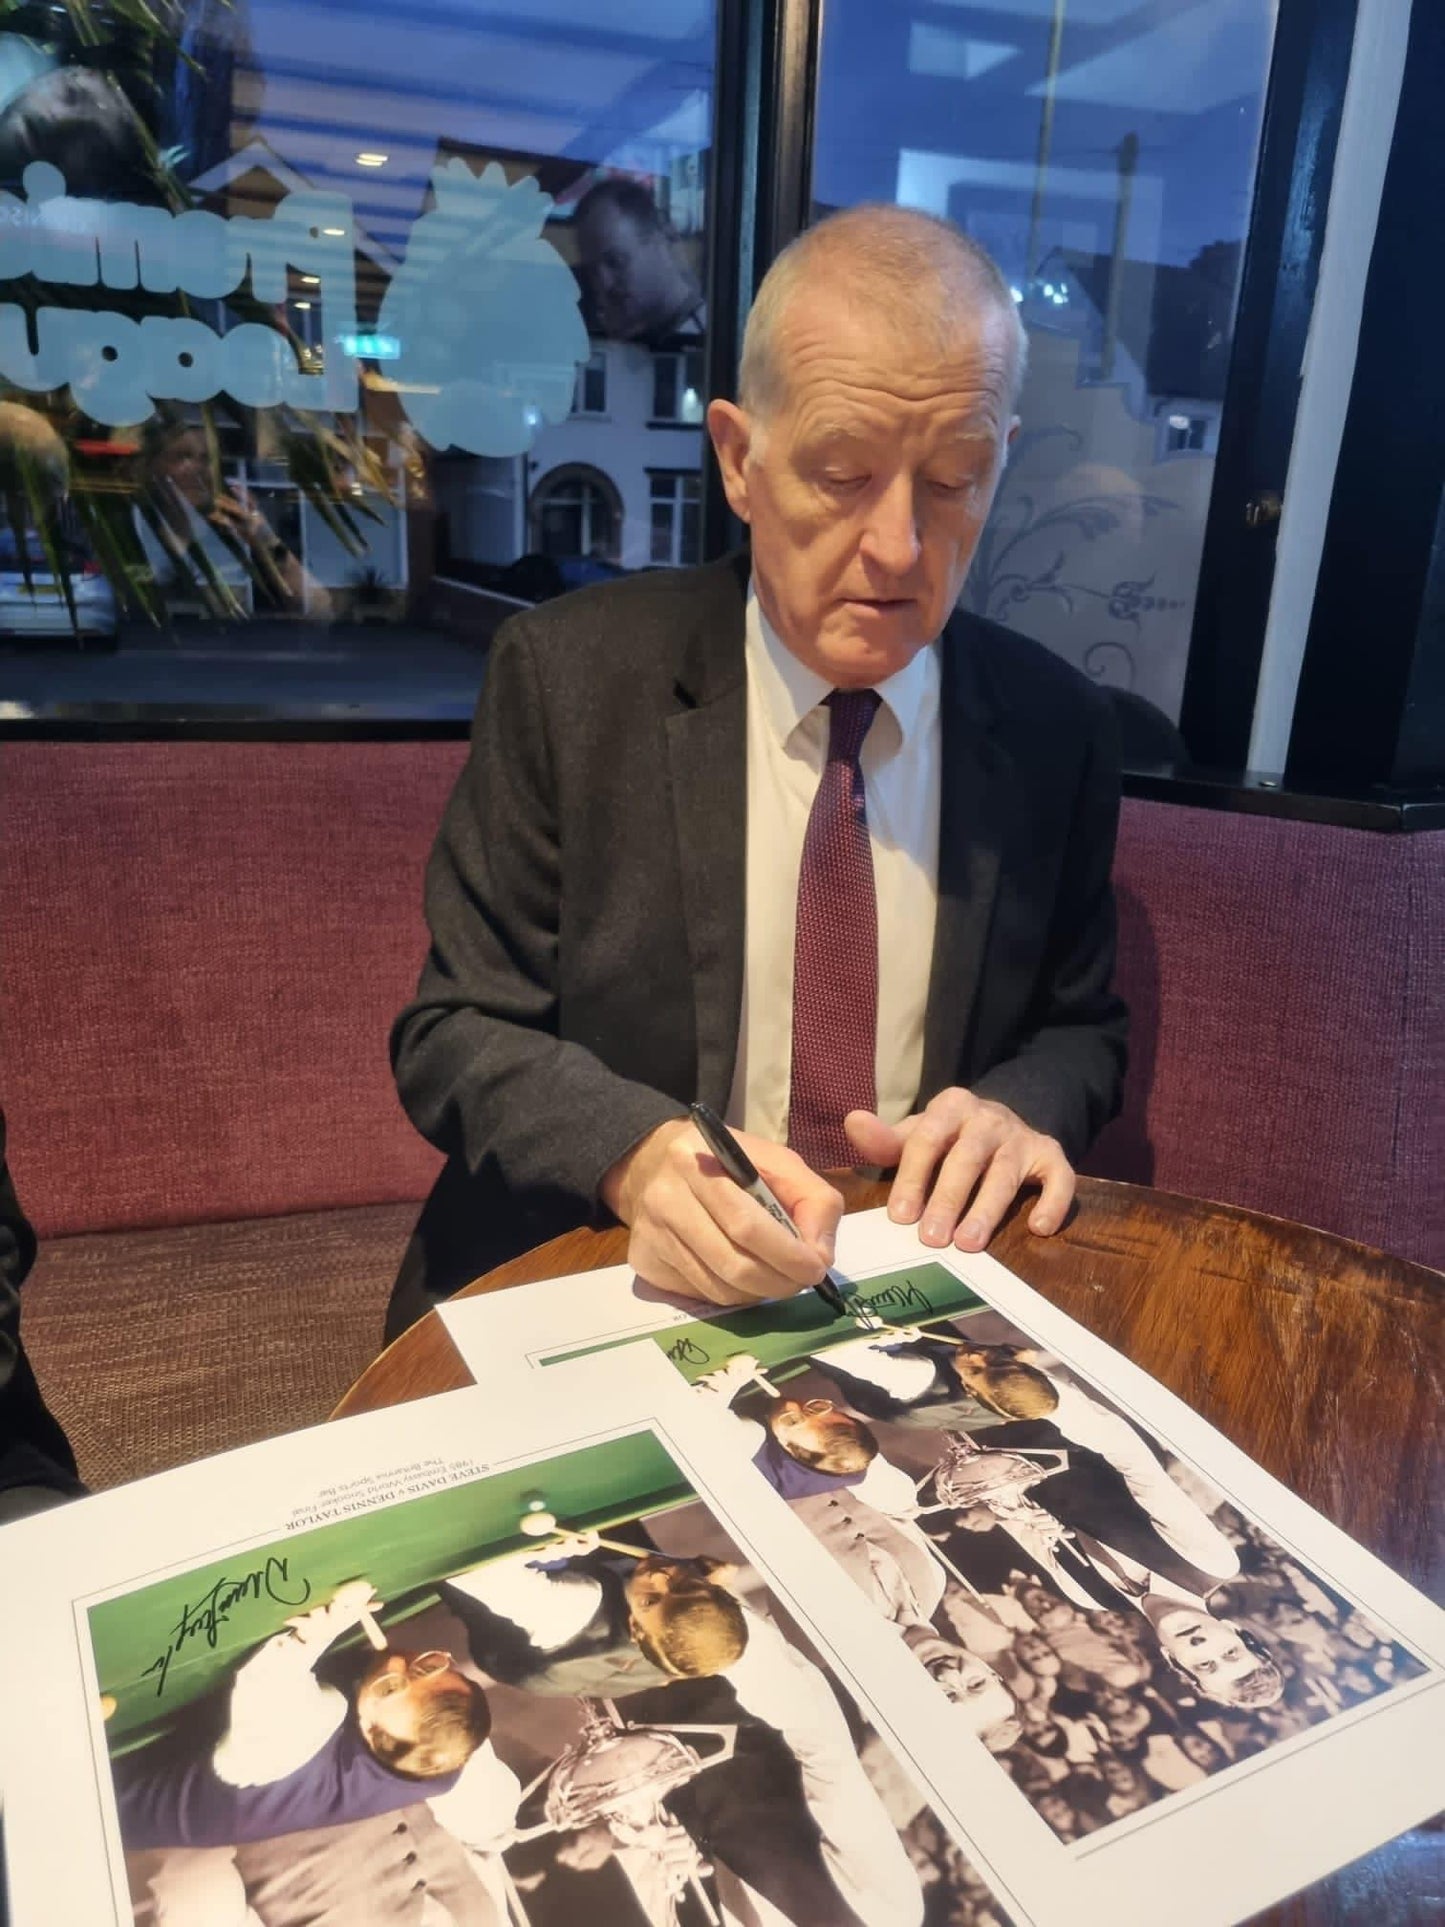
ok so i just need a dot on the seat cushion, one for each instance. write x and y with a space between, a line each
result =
157 1347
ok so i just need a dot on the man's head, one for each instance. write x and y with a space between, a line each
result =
629 261
419 1715
683 1618
818 1435
880 368
1218 1658
1202 1751
1033 1651
997 1379
975 1689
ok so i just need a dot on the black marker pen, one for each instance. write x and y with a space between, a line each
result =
743 1172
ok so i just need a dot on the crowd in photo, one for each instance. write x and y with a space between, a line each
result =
1101 1619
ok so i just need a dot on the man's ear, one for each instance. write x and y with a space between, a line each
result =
732 433
1008 441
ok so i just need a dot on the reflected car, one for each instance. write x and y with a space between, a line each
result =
37 607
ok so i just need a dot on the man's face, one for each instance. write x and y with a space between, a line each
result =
810 1426
185 462
867 488
397 1689
1035 1652
653 1580
1210 1650
630 271
976 1690
1045 1608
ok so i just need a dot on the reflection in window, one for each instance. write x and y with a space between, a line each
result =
676 518
576 512
590 394
677 386
501 185
1104 154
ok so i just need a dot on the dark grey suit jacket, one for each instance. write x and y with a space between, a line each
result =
586 904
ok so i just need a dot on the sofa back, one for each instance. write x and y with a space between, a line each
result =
203 945
203 948
1286 982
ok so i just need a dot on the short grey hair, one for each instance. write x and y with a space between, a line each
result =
915 269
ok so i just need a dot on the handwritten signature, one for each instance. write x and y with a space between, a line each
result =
206 1616
687 1351
904 1296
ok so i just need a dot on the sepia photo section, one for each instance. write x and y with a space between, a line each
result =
554 1694
1101 1617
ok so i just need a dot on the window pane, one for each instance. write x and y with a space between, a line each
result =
664 387
425 391
1109 170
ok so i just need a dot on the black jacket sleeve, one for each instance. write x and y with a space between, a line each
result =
33 1449
479 1064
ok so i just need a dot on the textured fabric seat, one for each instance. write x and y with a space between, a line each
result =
157 1347
204 945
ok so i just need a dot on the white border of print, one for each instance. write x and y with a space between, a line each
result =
64 1854
1212 1854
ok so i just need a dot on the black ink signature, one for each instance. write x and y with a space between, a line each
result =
901 1297
205 1618
687 1351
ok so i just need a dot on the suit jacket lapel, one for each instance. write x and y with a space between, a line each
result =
976 810
707 754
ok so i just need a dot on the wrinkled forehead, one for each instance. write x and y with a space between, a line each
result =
833 356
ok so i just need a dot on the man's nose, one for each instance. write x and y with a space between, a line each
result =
890 536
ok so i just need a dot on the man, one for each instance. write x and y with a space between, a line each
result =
286 1754
986 1706
820 1848
575 1618
785 833
911 1378
638 286
37 1467
826 1464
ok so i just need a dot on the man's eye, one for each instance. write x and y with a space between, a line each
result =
843 483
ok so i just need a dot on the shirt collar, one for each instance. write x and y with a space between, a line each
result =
790 690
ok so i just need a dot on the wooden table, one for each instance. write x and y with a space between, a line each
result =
1324 1360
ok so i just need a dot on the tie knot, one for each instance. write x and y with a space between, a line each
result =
851 713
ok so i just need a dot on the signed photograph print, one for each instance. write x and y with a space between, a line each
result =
1101 1617
552 1694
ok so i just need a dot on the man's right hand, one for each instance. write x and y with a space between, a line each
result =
697 1234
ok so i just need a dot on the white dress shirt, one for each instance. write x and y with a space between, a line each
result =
787 737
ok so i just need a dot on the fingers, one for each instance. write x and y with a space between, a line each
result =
964 1148
696 1233
928 1137
1057 1195
874 1141
996 1192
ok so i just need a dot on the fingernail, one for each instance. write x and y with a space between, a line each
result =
935 1231
903 1210
971 1232
1041 1224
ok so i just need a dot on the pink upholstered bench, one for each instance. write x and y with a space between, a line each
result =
205 944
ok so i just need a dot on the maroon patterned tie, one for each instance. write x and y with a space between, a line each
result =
835 956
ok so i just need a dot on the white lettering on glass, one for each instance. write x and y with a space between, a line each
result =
481 323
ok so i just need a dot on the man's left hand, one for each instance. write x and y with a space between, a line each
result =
964 1146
